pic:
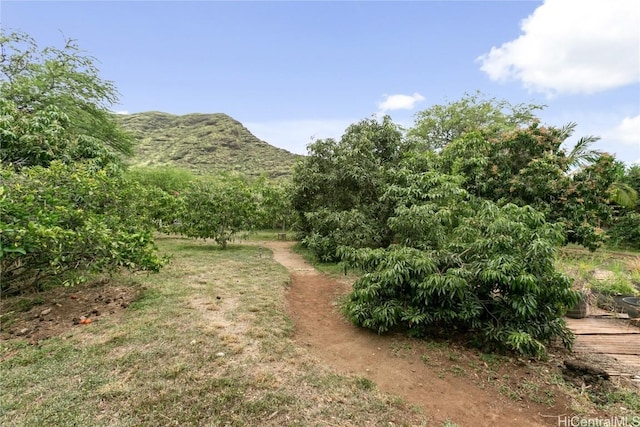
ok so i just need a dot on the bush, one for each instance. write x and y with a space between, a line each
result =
625 231
170 179
485 269
274 205
162 210
59 222
217 210
333 229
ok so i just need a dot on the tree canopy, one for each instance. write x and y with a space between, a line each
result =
67 208
457 223
55 105
338 187
440 125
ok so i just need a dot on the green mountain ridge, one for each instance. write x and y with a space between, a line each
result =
204 144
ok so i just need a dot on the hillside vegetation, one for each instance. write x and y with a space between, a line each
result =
203 143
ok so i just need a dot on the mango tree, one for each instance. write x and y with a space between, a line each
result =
463 264
337 187
218 209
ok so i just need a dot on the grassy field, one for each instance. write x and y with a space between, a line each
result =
603 274
206 342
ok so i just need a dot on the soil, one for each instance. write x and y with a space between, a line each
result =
466 400
467 397
58 310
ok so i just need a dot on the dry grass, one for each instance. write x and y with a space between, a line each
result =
208 343
634 265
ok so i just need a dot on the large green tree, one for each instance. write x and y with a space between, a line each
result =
439 125
337 187
274 206
436 254
218 209
50 91
65 207
529 166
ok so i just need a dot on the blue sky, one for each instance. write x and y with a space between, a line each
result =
293 71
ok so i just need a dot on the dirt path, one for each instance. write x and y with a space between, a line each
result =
351 350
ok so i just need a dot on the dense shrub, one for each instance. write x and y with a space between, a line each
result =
625 231
70 219
274 208
343 181
480 268
162 190
217 209
162 210
170 179
333 229
449 240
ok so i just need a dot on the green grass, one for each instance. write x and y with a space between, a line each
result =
606 272
627 399
333 269
208 342
261 235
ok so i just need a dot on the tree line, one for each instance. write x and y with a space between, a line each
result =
69 205
454 223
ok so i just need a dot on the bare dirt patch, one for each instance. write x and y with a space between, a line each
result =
55 312
216 316
448 382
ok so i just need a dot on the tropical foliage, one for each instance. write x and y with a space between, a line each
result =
55 105
70 218
472 267
217 210
66 207
337 189
456 224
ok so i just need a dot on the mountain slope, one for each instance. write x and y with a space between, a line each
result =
204 143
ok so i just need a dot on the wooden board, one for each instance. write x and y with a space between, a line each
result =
607 344
604 326
598 312
628 360
614 338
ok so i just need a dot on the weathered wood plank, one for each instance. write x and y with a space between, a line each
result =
598 312
611 337
597 345
628 360
593 325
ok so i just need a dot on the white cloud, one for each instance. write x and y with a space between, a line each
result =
627 131
619 132
399 102
572 46
123 112
295 135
